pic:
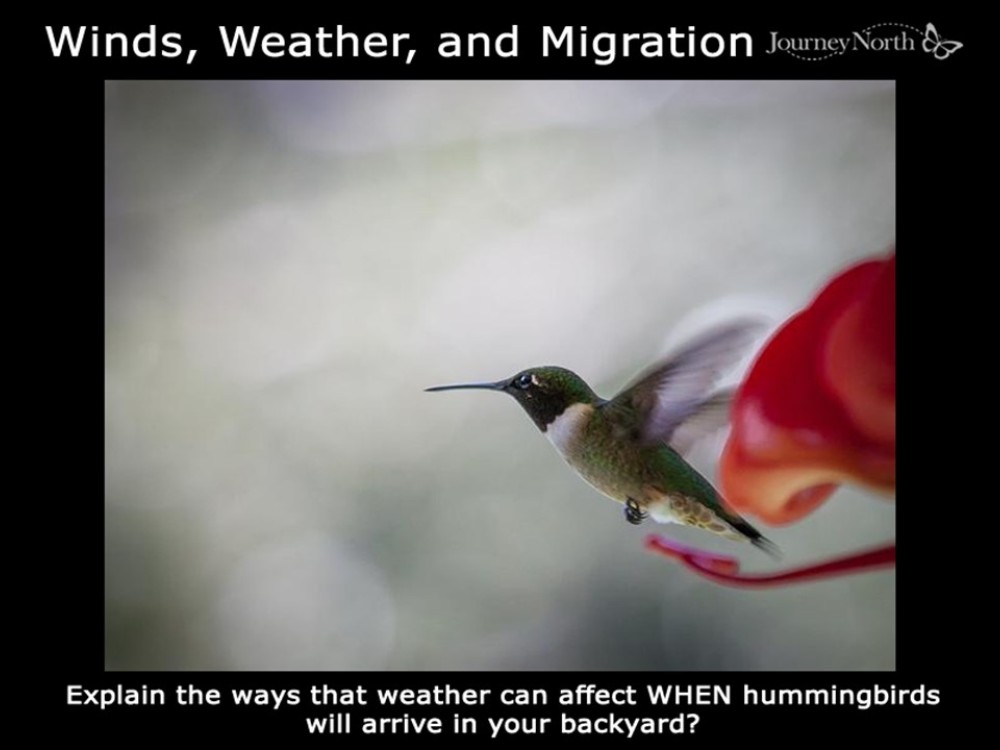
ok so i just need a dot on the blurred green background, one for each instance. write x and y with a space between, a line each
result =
289 264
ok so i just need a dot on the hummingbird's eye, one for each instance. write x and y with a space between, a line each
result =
523 381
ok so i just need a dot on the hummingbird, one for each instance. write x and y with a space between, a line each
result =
631 447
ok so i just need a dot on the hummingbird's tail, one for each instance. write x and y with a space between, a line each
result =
762 542
757 539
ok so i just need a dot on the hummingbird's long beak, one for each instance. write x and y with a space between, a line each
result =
497 386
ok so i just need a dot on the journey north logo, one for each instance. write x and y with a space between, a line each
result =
879 37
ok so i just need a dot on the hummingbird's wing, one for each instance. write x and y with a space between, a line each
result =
654 407
709 416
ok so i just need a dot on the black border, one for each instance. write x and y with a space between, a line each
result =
60 362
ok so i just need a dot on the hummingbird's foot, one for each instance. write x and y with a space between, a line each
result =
633 513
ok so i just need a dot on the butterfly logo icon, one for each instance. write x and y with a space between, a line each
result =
940 48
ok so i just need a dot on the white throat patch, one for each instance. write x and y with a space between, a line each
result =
563 430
